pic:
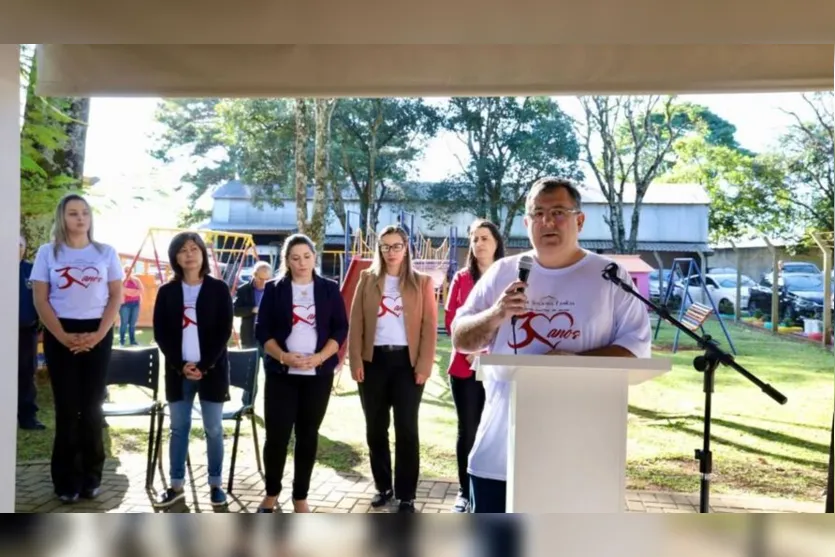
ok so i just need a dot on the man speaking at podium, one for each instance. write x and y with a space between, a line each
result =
564 307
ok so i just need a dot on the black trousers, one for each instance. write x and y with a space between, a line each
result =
78 384
468 396
488 496
390 385
27 365
300 402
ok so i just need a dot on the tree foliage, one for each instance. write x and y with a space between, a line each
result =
636 137
375 145
52 145
510 142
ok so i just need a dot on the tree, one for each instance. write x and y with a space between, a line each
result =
741 187
192 128
636 137
53 141
301 181
807 151
375 142
510 142
321 173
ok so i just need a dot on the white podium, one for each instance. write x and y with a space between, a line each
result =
567 429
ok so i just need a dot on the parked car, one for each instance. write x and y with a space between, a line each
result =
799 295
721 288
656 292
794 267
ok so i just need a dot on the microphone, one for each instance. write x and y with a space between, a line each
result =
610 273
525 266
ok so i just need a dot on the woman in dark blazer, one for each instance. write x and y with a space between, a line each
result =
192 327
301 324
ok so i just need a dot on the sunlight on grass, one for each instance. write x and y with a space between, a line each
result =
760 447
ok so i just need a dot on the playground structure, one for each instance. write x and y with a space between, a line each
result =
691 314
229 254
438 262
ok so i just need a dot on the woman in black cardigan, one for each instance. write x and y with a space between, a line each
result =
192 326
301 324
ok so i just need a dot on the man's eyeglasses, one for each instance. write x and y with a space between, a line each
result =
558 214
396 248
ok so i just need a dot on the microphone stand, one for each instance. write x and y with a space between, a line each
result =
706 364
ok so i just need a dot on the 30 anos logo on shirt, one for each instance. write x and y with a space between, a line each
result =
548 329
78 276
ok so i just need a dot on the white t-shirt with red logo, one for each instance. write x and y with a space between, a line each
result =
303 336
78 278
191 340
391 327
572 309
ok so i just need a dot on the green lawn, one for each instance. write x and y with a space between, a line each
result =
760 447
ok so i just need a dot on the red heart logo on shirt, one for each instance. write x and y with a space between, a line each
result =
189 316
392 305
302 314
550 330
81 276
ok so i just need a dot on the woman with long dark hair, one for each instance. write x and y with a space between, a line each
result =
486 246
391 347
192 327
77 289
301 325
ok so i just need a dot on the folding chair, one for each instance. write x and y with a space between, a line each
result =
138 367
243 374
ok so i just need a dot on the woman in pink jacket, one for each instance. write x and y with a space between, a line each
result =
486 246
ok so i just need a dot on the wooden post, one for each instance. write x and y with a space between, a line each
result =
738 301
775 289
826 248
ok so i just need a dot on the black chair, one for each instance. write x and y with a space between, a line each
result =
138 367
243 374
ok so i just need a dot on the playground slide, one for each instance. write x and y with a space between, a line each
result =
349 286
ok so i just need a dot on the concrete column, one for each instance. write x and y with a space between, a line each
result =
9 258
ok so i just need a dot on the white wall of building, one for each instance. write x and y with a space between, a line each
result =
9 253
659 222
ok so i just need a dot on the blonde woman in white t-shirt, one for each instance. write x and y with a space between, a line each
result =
77 287
391 346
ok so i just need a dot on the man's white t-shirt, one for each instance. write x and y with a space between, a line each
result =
572 309
303 336
78 278
191 340
391 326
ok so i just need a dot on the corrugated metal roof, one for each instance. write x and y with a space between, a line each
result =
235 227
657 193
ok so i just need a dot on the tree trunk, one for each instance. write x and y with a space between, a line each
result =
316 229
301 165
70 160
338 204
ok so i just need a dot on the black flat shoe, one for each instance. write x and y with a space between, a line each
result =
381 498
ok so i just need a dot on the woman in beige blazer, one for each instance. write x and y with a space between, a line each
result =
391 348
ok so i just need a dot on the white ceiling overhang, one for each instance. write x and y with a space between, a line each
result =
430 47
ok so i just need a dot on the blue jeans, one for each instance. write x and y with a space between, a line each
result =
128 316
180 428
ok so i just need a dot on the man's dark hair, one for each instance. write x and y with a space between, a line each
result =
549 184
177 244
